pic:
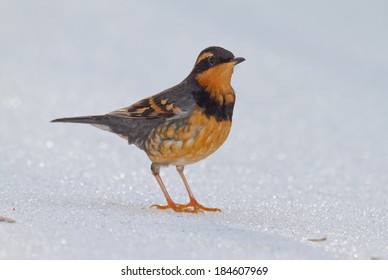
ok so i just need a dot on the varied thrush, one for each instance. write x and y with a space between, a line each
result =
181 125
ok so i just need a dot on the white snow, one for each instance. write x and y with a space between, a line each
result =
306 160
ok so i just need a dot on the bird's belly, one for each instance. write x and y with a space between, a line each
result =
187 142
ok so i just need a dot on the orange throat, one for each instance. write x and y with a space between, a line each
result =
216 81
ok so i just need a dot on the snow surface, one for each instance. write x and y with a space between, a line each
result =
303 175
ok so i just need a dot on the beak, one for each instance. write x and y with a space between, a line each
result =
237 60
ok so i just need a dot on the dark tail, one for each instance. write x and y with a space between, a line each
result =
85 119
115 124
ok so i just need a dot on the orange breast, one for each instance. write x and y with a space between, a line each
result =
182 143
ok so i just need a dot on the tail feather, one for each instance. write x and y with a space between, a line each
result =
84 119
115 124
135 130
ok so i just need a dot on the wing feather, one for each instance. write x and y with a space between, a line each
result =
171 103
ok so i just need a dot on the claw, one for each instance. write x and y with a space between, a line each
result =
176 208
195 205
191 207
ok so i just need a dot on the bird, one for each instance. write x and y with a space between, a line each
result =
180 125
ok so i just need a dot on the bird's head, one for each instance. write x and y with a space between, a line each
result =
213 70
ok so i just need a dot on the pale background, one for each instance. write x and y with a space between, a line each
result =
307 157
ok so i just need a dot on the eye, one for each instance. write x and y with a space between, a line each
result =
211 60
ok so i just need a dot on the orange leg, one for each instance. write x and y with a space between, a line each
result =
193 203
170 203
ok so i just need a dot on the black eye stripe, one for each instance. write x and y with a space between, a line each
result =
207 62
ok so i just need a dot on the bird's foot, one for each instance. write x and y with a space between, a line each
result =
192 207
176 208
193 204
